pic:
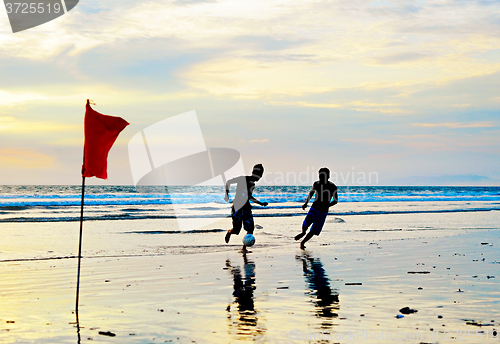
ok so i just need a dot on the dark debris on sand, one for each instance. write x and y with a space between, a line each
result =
407 310
107 333
472 322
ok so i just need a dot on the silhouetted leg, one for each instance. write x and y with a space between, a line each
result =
236 217
228 235
249 226
305 225
300 235
306 239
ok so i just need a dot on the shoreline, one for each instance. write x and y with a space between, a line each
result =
218 211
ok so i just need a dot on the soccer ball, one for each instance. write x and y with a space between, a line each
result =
248 240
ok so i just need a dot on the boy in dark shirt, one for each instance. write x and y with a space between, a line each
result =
241 211
325 191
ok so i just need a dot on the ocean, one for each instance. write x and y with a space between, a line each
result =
55 203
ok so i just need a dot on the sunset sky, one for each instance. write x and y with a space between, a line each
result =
406 89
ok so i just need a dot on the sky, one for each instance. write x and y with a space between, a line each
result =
403 92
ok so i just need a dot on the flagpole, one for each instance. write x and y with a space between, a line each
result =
100 133
80 249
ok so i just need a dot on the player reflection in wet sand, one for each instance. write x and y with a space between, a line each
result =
246 321
325 299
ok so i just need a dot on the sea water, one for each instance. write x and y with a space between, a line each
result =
51 203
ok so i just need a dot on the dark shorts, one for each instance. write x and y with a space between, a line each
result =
316 218
243 217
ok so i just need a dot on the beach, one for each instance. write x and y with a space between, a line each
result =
144 281
145 144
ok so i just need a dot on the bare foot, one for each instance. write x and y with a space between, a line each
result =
244 250
302 246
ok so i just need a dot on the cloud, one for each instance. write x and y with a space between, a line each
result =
258 48
359 106
306 104
282 57
399 58
25 159
456 125
458 142
259 140
461 105
444 180
418 136
8 98
252 67
373 141
13 125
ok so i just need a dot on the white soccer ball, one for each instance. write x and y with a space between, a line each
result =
248 240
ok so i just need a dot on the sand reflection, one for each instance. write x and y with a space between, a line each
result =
325 299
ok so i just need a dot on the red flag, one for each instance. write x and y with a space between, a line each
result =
101 132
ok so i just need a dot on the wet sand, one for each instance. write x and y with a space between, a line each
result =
347 286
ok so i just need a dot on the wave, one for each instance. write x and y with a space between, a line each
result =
12 205
133 216
102 203
85 218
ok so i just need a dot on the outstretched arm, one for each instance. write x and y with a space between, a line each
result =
311 194
255 200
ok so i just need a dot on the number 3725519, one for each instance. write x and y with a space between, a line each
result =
27 8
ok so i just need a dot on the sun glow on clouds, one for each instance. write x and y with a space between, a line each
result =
202 24
307 104
8 98
360 106
389 71
259 140
259 48
12 125
20 158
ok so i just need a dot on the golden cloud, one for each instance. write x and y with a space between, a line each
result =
19 158
259 140
13 125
